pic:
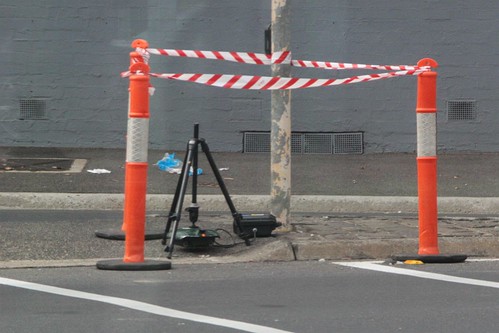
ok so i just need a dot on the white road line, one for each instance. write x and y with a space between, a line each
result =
375 266
482 259
141 306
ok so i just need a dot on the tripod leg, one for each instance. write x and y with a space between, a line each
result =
219 178
193 209
174 201
169 248
195 165
183 188
167 229
235 214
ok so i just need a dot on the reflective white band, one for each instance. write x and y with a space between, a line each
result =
427 134
137 139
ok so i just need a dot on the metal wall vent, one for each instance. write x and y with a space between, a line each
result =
256 142
311 143
461 110
348 143
296 143
32 108
318 143
308 143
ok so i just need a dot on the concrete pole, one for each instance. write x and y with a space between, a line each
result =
280 134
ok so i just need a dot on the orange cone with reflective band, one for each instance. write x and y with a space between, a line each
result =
136 159
137 141
134 211
427 159
428 211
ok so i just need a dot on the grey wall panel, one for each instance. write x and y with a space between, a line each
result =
70 53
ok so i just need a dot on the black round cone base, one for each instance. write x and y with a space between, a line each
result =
118 234
434 258
146 265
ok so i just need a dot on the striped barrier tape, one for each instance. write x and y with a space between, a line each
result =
269 59
340 65
141 55
240 57
251 82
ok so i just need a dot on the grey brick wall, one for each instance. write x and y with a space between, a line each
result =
70 54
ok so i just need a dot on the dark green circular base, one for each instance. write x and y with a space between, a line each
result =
434 259
120 265
118 234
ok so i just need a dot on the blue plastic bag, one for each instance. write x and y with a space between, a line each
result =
172 165
191 171
169 163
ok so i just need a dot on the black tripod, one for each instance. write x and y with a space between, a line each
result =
191 160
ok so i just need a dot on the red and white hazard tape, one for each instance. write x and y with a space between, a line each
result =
249 82
142 55
339 65
241 57
267 59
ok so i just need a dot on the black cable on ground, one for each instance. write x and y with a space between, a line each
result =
227 246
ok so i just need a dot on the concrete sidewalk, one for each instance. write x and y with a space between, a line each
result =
467 183
355 206
66 238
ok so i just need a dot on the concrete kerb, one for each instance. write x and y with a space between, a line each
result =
283 249
251 203
287 250
381 249
279 250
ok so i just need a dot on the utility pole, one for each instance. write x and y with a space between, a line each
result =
280 133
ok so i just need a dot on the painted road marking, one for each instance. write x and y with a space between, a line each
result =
141 306
375 266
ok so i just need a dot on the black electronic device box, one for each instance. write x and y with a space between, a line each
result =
259 225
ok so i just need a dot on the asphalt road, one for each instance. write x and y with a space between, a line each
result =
255 297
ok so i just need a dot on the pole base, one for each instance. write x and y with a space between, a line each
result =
146 265
118 234
434 258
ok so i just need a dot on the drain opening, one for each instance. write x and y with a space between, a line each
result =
36 164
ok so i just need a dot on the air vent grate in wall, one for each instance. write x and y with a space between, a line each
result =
32 108
348 143
461 109
256 142
296 143
318 143
308 143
